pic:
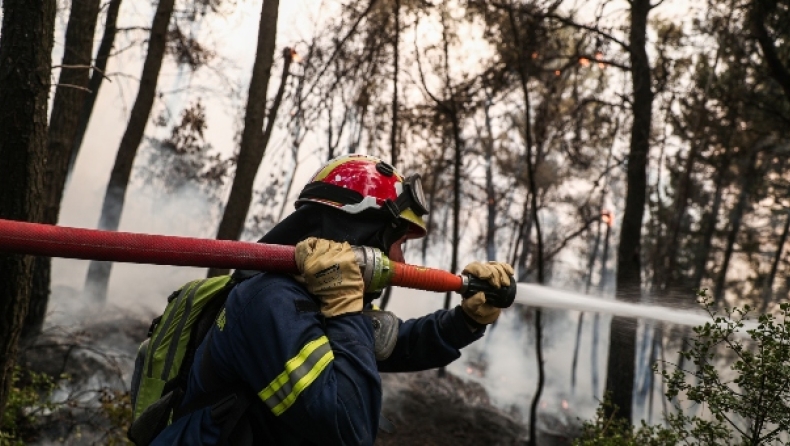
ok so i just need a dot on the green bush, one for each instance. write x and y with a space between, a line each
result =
29 398
748 399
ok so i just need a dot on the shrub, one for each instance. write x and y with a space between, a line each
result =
748 399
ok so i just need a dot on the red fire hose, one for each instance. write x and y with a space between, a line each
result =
89 244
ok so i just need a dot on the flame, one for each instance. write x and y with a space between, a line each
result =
565 404
295 57
599 58
535 55
557 72
585 62
607 217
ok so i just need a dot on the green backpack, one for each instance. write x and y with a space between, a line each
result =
165 358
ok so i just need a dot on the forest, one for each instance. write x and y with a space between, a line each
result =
629 150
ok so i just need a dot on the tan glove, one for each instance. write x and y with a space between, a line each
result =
497 274
330 272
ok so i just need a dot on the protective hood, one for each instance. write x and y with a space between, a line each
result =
315 220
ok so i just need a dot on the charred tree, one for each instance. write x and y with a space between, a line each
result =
63 122
251 148
491 198
98 276
26 39
531 160
622 340
97 77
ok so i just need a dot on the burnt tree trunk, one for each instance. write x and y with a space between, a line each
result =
97 77
622 339
491 198
531 163
251 149
98 276
26 39
69 98
452 113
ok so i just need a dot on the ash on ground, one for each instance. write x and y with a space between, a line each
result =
428 409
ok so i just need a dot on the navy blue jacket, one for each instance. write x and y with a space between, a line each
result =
317 379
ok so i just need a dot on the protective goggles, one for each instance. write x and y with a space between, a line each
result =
412 197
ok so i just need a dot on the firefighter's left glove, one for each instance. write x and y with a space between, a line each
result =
331 273
498 275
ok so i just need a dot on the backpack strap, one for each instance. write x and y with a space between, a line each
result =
228 403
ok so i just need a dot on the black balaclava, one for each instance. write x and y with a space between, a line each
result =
369 228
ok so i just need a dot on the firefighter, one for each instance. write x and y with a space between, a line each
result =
298 355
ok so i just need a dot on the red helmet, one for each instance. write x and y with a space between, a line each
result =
355 183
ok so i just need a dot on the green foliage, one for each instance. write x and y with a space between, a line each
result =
609 430
744 393
29 397
749 399
116 407
31 408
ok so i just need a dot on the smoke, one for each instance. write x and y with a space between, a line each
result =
136 289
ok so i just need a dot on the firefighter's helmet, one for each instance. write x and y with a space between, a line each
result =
359 183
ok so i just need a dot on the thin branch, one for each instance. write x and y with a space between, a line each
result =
76 87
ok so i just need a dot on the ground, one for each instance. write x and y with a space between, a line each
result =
424 408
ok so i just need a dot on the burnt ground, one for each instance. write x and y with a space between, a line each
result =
430 410
424 408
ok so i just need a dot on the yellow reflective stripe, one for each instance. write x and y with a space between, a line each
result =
300 371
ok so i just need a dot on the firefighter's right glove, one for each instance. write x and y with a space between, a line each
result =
498 275
331 273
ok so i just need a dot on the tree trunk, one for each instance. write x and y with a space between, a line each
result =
97 77
98 276
452 114
768 287
622 340
490 191
395 72
251 149
580 319
69 98
735 224
26 39
701 257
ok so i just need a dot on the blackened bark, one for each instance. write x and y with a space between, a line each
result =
622 339
69 98
98 276
26 40
97 77
251 149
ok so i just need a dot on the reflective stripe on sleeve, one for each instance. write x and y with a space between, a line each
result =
300 371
